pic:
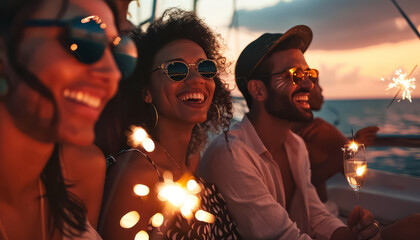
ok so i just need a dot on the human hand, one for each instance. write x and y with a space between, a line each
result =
363 224
367 135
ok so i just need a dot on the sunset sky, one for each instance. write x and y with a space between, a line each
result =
356 42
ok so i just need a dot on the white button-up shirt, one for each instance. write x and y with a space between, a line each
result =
251 183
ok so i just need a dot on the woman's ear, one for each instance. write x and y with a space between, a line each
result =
257 90
147 96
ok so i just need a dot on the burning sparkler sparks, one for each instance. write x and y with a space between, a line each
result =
138 136
353 146
403 83
181 196
130 219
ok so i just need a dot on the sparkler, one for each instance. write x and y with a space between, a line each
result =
181 195
404 84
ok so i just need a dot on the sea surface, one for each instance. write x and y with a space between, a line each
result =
399 119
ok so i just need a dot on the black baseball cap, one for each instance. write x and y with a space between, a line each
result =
298 37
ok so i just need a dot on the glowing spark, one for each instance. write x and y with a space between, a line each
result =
361 170
130 219
73 47
141 190
139 136
157 220
180 196
92 17
186 211
353 146
116 41
192 185
204 216
173 193
148 145
142 235
403 83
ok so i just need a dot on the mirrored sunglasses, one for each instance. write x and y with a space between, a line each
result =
298 74
86 40
178 71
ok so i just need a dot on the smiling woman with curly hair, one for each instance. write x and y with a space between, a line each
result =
178 97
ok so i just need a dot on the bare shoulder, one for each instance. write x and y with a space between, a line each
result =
131 168
319 131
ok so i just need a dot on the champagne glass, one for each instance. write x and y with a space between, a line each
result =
355 166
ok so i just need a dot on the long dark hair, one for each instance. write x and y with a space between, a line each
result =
172 25
68 213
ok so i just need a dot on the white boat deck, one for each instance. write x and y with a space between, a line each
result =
388 196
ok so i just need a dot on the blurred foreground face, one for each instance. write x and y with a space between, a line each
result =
81 88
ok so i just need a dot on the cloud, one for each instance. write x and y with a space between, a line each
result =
338 24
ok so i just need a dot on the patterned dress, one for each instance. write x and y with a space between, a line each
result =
178 227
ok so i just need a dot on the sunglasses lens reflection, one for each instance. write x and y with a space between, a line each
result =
299 75
125 54
207 69
313 74
177 71
87 40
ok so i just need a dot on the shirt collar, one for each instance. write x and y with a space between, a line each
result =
250 136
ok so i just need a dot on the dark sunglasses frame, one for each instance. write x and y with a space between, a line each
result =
164 68
297 75
86 40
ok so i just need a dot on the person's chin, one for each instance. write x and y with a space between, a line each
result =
79 137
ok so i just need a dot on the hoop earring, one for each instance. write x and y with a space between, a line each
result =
4 87
156 115
218 111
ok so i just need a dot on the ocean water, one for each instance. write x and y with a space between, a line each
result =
400 119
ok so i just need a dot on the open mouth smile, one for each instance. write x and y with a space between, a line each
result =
192 97
302 99
83 97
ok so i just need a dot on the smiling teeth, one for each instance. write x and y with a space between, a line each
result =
83 97
199 97
302 98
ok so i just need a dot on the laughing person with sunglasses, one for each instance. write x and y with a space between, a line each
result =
263 170
59 65
176 94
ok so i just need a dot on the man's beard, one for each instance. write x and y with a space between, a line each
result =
284 108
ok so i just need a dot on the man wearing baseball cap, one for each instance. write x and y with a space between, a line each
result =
262 170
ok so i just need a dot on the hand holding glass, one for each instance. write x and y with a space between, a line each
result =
355 166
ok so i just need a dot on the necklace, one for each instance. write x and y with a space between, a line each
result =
170 157
3 233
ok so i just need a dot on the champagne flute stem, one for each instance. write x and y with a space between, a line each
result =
358 203
358 198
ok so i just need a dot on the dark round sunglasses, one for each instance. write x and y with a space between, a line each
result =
178 71
85 39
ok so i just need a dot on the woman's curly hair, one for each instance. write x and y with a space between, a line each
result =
177 24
